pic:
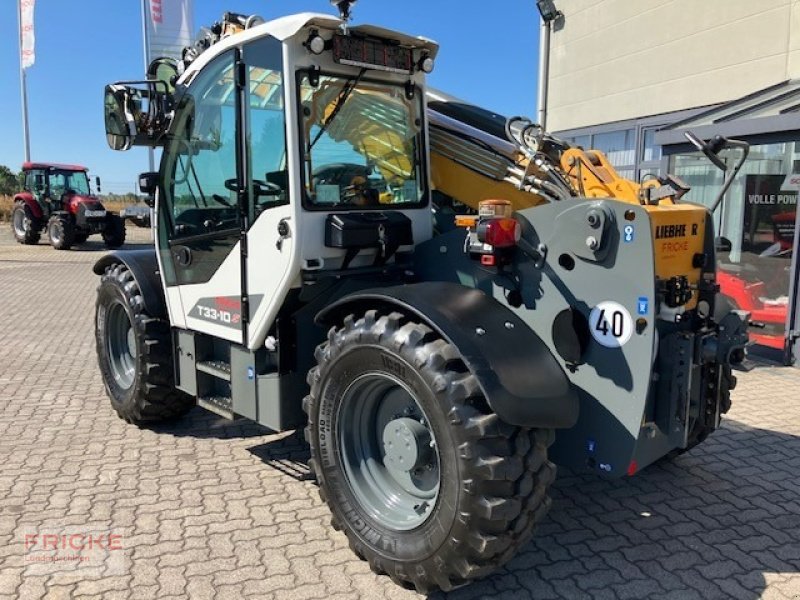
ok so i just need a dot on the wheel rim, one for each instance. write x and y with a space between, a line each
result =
389 452
20 222
121 345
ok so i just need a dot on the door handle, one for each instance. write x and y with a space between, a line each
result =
182 256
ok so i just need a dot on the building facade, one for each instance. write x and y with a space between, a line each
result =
631 78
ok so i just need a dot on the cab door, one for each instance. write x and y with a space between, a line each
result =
270 250
201 223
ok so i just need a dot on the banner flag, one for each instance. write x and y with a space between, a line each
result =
26 36
170 27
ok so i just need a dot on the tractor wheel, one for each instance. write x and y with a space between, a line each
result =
61 231
114 233
134 351
428 484
24 225
80 238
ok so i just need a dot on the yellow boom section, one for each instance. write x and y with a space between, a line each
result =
469 165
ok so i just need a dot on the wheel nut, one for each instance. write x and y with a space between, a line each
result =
591 242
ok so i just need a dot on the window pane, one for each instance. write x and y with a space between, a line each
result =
618 146
201 154
361 143
584 141
650 151
267 135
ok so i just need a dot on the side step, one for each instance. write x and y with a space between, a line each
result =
220 405
218 368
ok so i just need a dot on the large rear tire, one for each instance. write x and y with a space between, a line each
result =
134 351
428 484
25 226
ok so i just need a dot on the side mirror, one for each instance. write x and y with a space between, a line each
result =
97 183
120 118
148 183
723 244
710 148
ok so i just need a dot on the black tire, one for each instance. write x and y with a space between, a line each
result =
114 233
145 393
80 238
26 227
61 231
493 477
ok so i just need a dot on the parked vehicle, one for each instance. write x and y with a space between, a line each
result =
57 201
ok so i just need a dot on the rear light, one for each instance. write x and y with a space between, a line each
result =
502 232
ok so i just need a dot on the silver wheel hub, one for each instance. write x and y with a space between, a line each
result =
407 444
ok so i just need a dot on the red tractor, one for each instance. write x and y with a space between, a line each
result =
57 199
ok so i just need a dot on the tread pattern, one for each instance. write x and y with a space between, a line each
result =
154 397
504 469
62 223
33 233
114 232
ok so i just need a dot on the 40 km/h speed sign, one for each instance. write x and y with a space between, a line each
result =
611 324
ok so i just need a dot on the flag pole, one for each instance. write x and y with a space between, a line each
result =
146 46
23 82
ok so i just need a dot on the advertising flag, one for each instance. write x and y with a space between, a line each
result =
170 27
26 37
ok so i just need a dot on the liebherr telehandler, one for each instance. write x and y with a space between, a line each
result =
297 281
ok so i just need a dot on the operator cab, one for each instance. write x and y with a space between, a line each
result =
300 140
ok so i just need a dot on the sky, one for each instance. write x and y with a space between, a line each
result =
488 56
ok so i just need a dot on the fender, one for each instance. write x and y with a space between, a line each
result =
28 199
521 379
143 264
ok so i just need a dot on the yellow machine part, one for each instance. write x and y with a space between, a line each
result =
677 230
469 187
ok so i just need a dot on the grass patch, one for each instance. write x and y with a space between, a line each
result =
6 204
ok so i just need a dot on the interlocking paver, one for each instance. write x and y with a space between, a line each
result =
213 509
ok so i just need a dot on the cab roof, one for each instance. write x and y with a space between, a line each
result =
285 27
29 166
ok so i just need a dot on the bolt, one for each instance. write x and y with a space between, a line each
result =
593 219
480 331
591 242
432 444
509 325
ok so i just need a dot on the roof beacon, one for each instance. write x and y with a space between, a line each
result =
344 7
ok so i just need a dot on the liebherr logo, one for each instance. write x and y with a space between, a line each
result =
673 231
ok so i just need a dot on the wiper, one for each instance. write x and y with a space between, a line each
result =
343 96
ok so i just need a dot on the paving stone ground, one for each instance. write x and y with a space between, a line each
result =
207 508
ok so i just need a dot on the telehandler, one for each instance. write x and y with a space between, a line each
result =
297 281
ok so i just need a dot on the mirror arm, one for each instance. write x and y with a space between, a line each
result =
745 148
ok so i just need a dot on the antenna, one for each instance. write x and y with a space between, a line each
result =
344 7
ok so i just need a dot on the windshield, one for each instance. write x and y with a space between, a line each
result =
62 182
361 144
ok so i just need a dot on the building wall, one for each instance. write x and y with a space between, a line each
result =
624 59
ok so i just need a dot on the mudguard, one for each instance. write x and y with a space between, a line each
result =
521 379
143 264
27 198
